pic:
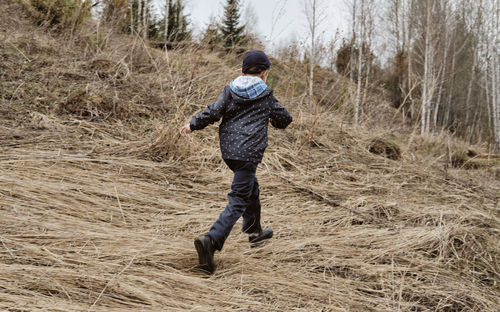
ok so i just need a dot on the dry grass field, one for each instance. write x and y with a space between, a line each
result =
101 197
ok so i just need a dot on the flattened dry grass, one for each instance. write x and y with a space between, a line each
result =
353 231
99 214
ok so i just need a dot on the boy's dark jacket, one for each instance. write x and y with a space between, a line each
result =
243 130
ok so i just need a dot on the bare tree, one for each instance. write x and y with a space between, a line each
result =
492 37
475 33
426 81
433 67
145 25
364 28
369 32
396 17
442 64
353 38
167 7
450 48
315 12
362 39
411 83
139 19
131 4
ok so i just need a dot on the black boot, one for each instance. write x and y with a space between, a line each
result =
205 249
262 235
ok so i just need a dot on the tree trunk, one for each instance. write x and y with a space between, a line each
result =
368 45
396 24
139 17
360 62
313 51
167 7
469 88
496 75
451 87
475 33
495 98
443 64
474 126
426 78
403 26
353 40
410 60
487 80
491 126
144 20
131 18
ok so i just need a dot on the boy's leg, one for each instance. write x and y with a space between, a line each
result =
251 216
240 198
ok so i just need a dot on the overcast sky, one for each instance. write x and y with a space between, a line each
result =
277 21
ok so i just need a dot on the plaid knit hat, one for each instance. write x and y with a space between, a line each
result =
256 60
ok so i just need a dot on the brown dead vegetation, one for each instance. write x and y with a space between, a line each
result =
384 147
101 197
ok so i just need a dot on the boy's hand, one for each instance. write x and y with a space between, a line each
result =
186 129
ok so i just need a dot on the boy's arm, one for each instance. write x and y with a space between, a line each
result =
211 114
280 117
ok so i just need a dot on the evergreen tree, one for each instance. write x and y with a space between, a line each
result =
177 29
231 33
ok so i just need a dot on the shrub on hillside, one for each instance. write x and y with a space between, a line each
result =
59 13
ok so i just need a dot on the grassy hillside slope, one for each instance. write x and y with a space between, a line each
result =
101 197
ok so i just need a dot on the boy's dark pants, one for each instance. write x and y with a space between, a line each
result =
243 201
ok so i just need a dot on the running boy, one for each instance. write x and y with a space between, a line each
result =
246 106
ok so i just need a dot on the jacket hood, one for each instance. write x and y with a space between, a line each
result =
248 88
